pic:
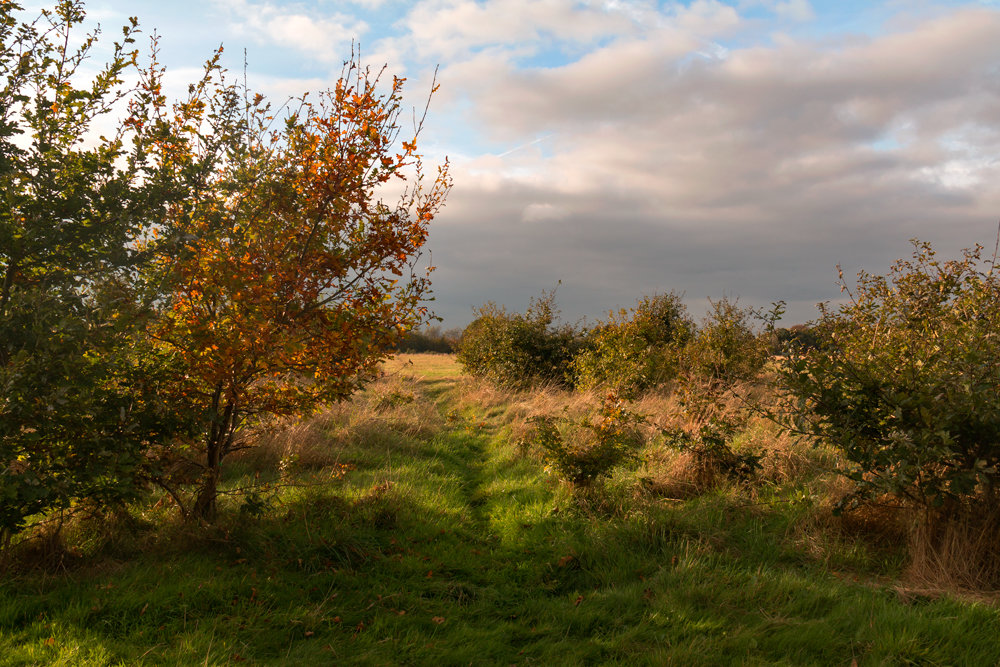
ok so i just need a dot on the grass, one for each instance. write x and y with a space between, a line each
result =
418 531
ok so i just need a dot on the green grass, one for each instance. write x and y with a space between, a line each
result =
448 546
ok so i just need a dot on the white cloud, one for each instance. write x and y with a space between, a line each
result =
322 36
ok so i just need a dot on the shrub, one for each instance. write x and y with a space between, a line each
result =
78 388
582 452
635 350
713 455
519 350
908 386
727 348
796 338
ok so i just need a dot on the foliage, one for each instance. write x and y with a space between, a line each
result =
796 338
518 350
908 386
78 403
635 351
582 452
713 455
726 348
292 277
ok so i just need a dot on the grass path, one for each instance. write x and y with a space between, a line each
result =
443 545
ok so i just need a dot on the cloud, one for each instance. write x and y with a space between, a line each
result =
794 10
754 174
543 212
449 28
323 37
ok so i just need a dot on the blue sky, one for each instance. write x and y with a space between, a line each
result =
626 147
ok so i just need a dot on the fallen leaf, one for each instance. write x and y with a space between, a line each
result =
438 619
566 560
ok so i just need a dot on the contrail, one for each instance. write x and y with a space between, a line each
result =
530 143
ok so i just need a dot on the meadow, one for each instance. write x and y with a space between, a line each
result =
416 524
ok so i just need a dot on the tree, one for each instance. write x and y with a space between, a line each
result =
78 405
289 277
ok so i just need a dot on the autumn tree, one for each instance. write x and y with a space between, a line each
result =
78 402
291 273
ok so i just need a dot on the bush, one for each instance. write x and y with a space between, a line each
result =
79 409
78 399
636 350
517 351
727 348
796 338
908 387
582 452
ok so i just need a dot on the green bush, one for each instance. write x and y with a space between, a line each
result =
79 410
77 388
909 383
635 350
727 348
585 451
519 350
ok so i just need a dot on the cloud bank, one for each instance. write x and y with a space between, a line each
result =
626 147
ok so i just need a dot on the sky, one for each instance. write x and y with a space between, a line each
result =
622 148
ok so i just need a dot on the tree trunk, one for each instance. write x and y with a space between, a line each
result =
205 507
219 433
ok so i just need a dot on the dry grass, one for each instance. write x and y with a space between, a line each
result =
395 405
956 552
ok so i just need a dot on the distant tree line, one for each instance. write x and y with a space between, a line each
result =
429 339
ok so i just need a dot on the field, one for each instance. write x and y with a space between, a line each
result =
413 525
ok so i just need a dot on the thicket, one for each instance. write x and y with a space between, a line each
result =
906 388
430 339
635 350
518 350
632 352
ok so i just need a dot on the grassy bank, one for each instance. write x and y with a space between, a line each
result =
414 527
